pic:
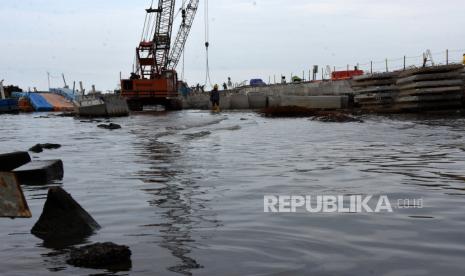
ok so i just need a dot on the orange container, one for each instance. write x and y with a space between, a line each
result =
345 75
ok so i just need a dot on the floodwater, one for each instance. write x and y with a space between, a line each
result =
185 191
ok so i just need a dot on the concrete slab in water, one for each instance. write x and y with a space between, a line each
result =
13 160
39 172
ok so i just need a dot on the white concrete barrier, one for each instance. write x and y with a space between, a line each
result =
225 103
257 100
199 101
239 101
274 101
116 106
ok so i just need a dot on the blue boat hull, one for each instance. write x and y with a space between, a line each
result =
9 106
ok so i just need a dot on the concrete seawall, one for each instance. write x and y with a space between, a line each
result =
327 88
322 95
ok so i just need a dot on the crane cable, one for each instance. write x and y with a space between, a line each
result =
183 62
144 35
183 52
207 44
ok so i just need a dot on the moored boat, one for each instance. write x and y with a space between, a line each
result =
9 106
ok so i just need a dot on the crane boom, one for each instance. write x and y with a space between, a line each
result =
188 15
162 36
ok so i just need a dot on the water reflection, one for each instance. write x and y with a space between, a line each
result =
172 197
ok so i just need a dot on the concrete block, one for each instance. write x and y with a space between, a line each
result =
432 69
429 77
430 98
239 102
376 76
12 201
316 102
13 160
432 84
116 106
274 101
257 100
225 102
345 101
63 218
199 101
432 91
40 172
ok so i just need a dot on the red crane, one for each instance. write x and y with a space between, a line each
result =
155 80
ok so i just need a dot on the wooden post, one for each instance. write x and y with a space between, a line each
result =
303 75
405 61
2 91
82 88
48 79
387 68
447 57
371 67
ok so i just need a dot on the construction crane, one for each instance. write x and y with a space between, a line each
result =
155 80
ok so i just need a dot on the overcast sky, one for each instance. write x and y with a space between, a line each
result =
94 40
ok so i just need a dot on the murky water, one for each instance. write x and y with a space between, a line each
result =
185 191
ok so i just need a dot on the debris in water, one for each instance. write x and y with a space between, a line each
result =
232 128
102 255
40 147
66 114
300 112
90 121
288 112
110 126
336 118
197 135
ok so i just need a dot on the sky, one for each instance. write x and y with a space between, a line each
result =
93 41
